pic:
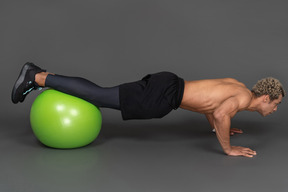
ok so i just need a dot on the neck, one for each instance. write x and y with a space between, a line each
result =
254 103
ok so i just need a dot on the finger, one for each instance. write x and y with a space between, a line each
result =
246 149
237 130
247 155
249 151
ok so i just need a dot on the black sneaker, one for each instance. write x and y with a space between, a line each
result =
25 82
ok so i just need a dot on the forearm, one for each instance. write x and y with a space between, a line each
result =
210 119
222 127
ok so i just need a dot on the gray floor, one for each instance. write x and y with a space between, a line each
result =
111 42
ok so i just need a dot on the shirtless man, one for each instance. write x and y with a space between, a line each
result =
156 95
221 99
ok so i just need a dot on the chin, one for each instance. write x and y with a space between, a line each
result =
267 114
264 115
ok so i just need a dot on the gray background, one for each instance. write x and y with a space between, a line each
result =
112 42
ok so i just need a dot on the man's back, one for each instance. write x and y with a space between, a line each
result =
205 96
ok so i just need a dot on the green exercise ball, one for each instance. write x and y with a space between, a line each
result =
59 120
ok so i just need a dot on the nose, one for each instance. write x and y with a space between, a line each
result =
275 109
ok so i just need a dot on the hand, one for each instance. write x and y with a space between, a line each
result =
235 130
232 131
241 151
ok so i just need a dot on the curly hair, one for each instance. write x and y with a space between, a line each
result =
268 86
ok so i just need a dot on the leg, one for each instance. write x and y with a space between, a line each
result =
82 88
32 77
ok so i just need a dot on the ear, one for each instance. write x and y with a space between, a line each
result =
266 98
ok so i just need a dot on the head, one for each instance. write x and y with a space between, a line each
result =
270 93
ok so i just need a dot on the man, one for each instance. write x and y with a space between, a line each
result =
157 94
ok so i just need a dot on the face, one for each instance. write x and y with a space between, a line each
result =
268 107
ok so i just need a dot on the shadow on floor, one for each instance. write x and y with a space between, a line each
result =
189 129
142 130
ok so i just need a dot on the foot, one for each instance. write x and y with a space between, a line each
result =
25 82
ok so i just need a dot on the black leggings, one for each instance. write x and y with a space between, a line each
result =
84 89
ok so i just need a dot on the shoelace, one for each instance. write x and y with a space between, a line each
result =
29 90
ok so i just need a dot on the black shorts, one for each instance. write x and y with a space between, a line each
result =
152 97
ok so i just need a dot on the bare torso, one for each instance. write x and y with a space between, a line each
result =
205 96
220 100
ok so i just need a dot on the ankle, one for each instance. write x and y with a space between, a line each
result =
40 78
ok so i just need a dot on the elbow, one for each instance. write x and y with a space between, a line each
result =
219 116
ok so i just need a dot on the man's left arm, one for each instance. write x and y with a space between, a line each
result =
210 118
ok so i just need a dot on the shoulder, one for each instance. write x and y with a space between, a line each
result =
232 80
244 98
232 105
240 97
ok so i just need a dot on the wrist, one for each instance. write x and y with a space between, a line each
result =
228 150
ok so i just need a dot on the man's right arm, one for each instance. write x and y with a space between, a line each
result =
222 121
